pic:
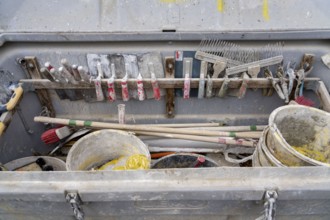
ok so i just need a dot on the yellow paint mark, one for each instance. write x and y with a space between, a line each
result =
265 10
220 5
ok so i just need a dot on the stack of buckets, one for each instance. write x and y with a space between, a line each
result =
292 125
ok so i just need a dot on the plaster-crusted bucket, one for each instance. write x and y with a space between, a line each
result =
299 136
263 157
100 147
255 158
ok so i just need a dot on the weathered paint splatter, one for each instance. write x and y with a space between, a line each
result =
222 141
220 5
124 91
98 90
140 89
111 91
155 88
186 87
265 10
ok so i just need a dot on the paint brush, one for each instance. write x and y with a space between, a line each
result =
111 84
201 86
54 135
124 87
66 65
75 72
48 66
209 87
186 85
51 77
46 74
154 83
57 76
84 74
98 84
65 73
140 88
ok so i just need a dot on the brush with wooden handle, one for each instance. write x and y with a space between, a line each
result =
54 135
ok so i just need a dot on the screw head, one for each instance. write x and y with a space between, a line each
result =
30 65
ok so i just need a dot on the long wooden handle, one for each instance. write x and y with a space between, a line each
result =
231 128
219 140
185 125
211 126
135 128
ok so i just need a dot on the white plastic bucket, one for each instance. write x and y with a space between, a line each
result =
99 147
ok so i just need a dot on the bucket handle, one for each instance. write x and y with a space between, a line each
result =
236 161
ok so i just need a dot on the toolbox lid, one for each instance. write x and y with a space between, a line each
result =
265 17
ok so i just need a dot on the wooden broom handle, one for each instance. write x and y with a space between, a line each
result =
126 127
219 140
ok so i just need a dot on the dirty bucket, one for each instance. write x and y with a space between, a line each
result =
300 136
184 160
255 158
100 147
57 164
262 156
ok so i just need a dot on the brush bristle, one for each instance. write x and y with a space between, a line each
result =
50 136
55 134
301 100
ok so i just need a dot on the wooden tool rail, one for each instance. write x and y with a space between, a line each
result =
164 83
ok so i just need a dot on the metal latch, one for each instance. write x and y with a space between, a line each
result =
74 199
269 205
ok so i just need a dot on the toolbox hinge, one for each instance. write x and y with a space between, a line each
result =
270 199
74 199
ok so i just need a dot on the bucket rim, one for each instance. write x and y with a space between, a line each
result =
267 152
273 114
30 159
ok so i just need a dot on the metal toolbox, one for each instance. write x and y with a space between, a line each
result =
34 32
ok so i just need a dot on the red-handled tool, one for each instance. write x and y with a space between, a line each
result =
154 82
124 87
